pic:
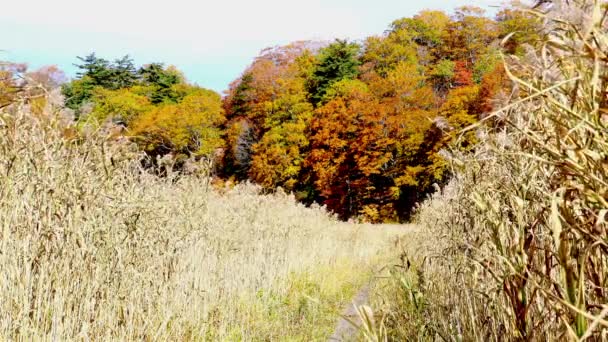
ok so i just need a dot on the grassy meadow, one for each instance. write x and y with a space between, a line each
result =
94 247
99 243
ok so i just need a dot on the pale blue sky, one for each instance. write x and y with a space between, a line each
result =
212 42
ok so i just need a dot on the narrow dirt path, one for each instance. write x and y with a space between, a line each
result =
344 330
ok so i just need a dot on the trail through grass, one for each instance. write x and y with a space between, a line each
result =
94 247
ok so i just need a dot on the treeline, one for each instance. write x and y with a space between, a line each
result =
159 109
360 126
357 126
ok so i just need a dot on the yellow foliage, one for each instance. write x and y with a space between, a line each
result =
122 104
191 126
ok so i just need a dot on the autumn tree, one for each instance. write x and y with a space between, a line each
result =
120 106
279 155
463 75
348 148
490 88
427 30
520 26
469 35
418 40
455 114
383 53
269 111
409 103
188 128
362 129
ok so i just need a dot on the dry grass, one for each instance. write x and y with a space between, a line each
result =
519 246
93 247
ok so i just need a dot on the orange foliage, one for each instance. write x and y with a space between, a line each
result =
463 76
372 147
491 84
348 148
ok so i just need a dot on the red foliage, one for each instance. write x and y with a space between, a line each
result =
491 84
463 76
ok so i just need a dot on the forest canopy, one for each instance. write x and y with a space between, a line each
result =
359 126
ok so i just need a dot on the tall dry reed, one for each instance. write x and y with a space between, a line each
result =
94 247
520 236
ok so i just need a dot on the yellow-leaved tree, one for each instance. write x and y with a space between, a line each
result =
188 128
122 105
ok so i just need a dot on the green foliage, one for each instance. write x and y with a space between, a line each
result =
78 92
338 61
485 64
239 103
123 73
161 81
97 70
444 71
343 88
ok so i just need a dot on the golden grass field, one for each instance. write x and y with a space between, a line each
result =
513 248
93 247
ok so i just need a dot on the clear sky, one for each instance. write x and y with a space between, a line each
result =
211 41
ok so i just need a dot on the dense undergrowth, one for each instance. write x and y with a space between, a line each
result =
519 247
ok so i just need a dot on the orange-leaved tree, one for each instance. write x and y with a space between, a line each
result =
348 148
